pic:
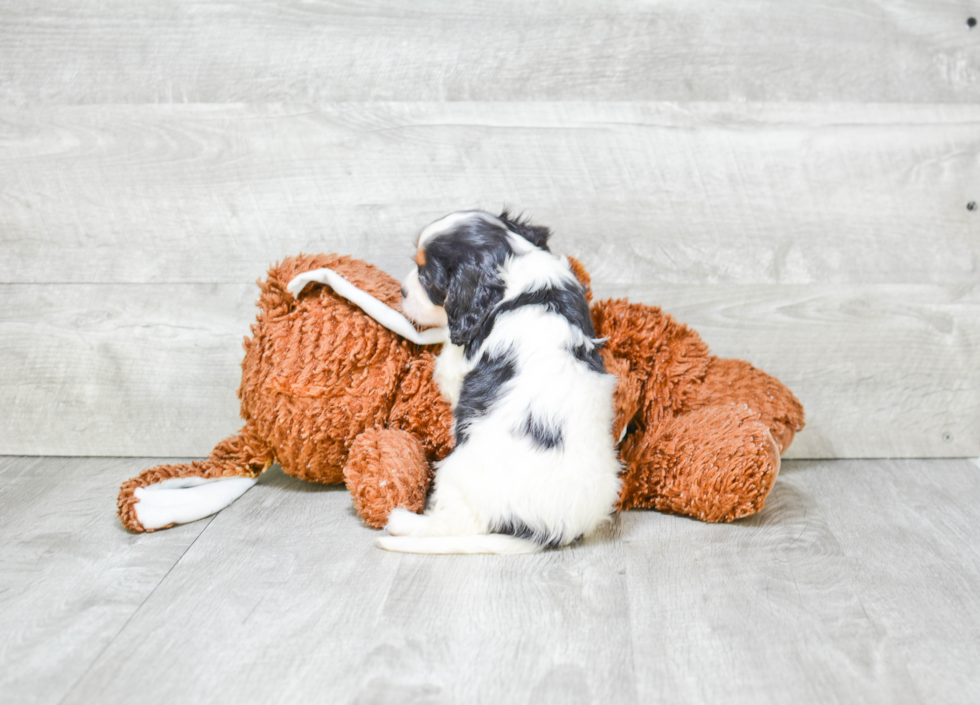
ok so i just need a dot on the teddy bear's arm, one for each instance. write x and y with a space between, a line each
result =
391 467
160 497
707 433
386 469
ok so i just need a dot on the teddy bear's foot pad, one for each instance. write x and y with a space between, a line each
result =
181 500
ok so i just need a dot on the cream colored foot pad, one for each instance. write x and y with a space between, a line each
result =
181 500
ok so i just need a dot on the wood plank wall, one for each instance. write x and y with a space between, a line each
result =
791 179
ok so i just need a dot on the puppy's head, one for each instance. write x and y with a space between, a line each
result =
456 279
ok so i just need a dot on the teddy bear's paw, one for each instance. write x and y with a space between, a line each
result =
181 500
402 522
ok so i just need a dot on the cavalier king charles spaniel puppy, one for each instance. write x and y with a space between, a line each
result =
534 464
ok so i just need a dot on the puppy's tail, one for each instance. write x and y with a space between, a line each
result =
480 543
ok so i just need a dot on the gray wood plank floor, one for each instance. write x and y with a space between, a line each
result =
858 583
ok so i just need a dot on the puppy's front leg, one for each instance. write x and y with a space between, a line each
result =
451 367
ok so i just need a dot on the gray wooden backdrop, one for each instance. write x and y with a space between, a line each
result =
793 179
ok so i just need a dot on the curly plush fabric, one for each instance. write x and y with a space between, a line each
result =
733 478
317 374
387 470
333 396
708 432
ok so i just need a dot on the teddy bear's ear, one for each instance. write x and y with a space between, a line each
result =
537 235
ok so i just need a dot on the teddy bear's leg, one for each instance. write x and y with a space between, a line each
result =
386 469
166 495
716 464
736 382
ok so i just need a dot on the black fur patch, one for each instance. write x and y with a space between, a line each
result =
482 386
542 433
567 300
462 273
537 235
590 356
518 529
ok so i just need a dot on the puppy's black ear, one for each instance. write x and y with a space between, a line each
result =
474 289
537 235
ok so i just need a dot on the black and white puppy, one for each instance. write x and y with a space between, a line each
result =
534 464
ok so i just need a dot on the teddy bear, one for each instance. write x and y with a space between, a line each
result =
335 396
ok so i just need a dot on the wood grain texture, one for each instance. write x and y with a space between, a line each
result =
137 369
882 371
73 51
707 193
107 369
294 592
71 576
849 587
474 618
311 606
911 541
802 200
857 582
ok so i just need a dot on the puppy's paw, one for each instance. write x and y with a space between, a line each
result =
384 543
402 522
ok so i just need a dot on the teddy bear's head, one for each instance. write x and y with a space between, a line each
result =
318 371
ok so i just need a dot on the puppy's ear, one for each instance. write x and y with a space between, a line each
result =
537 235
474 289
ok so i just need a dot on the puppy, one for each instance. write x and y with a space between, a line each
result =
534 464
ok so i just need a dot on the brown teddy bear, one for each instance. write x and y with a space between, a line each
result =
333 396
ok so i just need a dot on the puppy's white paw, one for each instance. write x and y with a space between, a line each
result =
402 522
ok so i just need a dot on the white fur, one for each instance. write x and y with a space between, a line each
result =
417 306
480 543
451 368
448 222
535 270
500 475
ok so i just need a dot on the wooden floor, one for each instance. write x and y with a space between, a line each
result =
860 582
